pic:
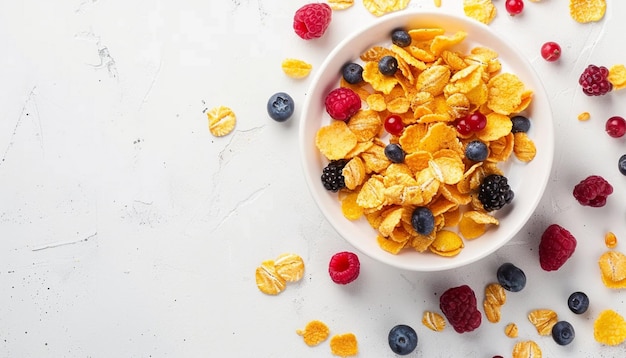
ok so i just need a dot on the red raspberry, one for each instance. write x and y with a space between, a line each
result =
458 304
342 103
312 20
556 246
344 267
594 81
593 191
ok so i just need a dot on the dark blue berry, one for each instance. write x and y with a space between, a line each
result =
621 164
563 333
402 339
394 153
476 151
352 73
578 302
520 124
280 106
423 220
511 277
401 38
388 65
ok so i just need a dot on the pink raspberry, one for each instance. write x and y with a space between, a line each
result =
342 103
593 191
344 267
312 20
556 247
458 304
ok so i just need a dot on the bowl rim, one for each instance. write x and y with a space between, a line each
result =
405 17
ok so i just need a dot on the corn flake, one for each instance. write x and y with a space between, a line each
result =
480 10
613 269
505 93
523 147
340 4
222 120
526 349
295 68
335 140
610 240
617 76
314 333
344 345
382 7
585 11
289 266
447 243
511 330
609 328
543 320
268 280
434 321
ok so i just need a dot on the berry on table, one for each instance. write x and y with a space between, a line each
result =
402 339
352 73
388 65
511 277
615 127
342 103
557 245
280 106
578 302
621 164
563 333
311 20
423 220
594 81
551 51
476 151
401 38
520 124
393 124
332 176
344 267
593 191
514 7
458 304
494 192
394 153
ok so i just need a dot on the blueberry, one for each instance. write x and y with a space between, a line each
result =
401 38
520 124
511 277
476 151
423 220
563 333
394 153
280 106
388 65
352 73
621 164
578 302
402 339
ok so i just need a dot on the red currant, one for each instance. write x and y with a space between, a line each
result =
616 127
462 126
514 7
394 125
551 51
476 121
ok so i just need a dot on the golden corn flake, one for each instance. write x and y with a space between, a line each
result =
349 207
433 80
617 76
372 194
585 11
524 147
390 245
447 243
365 124
376 102
511 330
610 240
434 321
609 328
382 7
344 345
295 68
495 294
340 4
613 269
505 93
474 223
335 140
268 280
500 149
222 120
289 266
480 10
498 126
354 173
584 116
377 80
543 320
314 333
492 312
444 42
526 349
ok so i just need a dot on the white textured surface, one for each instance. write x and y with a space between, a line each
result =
127 230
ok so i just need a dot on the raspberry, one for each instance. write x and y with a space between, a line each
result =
458 304
594 81
556 246
312 20
342 103
344 267
593 191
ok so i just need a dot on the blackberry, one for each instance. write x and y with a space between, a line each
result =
495 192
332 176
594 81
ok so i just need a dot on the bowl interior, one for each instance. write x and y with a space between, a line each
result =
528 180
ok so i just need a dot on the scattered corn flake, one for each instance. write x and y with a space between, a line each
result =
437 3
492 312
617 76
613 269
295 68
340 4
335 140
524 147
222 120
268 280
585 11
344 345
609 328
480 10
526 349
314 333
543 320
584 116
382 7
511 330
433 321
289 266
495 294
610 240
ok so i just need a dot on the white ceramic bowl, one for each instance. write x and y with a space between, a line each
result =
528 181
